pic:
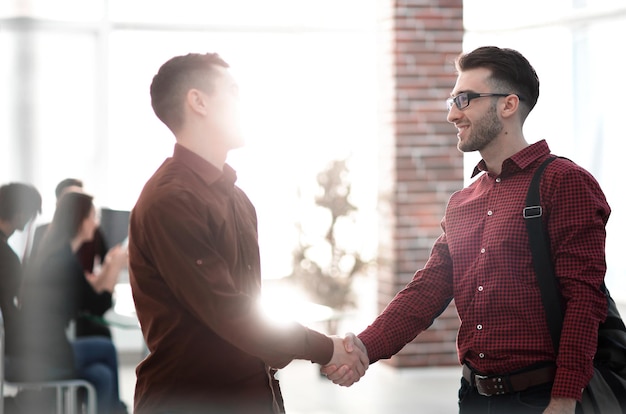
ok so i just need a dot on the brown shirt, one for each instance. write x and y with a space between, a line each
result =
195 277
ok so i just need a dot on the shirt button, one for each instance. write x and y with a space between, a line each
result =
480 288
199 261
479 327
489 213
481 355
498 179
482 250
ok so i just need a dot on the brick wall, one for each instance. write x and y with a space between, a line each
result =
420 165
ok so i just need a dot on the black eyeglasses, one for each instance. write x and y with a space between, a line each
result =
463 100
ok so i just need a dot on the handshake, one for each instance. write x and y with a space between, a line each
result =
349 361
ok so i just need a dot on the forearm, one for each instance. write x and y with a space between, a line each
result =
278 346
561 406
396 326
578 345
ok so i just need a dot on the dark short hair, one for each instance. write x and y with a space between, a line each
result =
68 182
19 198
175 78
510 71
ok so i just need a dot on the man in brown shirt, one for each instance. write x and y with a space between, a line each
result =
195 268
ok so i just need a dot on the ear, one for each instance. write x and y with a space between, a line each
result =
511 106
196 100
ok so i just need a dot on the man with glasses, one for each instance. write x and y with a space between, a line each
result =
483 261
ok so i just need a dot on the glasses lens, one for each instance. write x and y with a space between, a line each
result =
449 103
462 100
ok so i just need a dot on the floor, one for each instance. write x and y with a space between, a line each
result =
382 390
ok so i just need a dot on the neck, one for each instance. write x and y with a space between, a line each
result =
499 150
204 148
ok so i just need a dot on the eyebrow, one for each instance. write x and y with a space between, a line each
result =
460 92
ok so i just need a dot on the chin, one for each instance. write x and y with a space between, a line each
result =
462 146
237 141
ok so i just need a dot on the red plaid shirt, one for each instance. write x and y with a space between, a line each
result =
483 261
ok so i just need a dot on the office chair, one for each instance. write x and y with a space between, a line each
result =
66 390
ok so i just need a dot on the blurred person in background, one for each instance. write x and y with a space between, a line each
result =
54 291
91 254
19 205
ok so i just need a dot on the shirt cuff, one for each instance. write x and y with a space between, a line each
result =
320 347
569 384
373 344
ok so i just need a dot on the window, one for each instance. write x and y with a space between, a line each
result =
578 64
80 74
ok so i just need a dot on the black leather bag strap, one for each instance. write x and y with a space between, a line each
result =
542 260
551 293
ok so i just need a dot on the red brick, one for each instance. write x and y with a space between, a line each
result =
420 164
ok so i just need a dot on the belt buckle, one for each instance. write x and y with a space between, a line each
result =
488 386
477 381
481 377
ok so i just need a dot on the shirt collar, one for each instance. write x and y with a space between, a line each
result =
519 160
208 172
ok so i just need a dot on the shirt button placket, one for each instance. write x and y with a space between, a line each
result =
479 327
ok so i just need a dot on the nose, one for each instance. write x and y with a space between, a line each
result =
454 114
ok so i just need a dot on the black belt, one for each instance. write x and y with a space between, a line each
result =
489 385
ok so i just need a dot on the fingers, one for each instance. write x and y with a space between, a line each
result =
363 355
117 257
349 362
348 341
352 343
329 370
338 374
91 278
344 376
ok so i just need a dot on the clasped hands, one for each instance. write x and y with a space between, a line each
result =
105 278
349 361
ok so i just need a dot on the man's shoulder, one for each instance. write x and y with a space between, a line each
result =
168 180
168 192
562 163
563 169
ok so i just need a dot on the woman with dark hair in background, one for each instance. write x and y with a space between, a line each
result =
91 254
52 295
